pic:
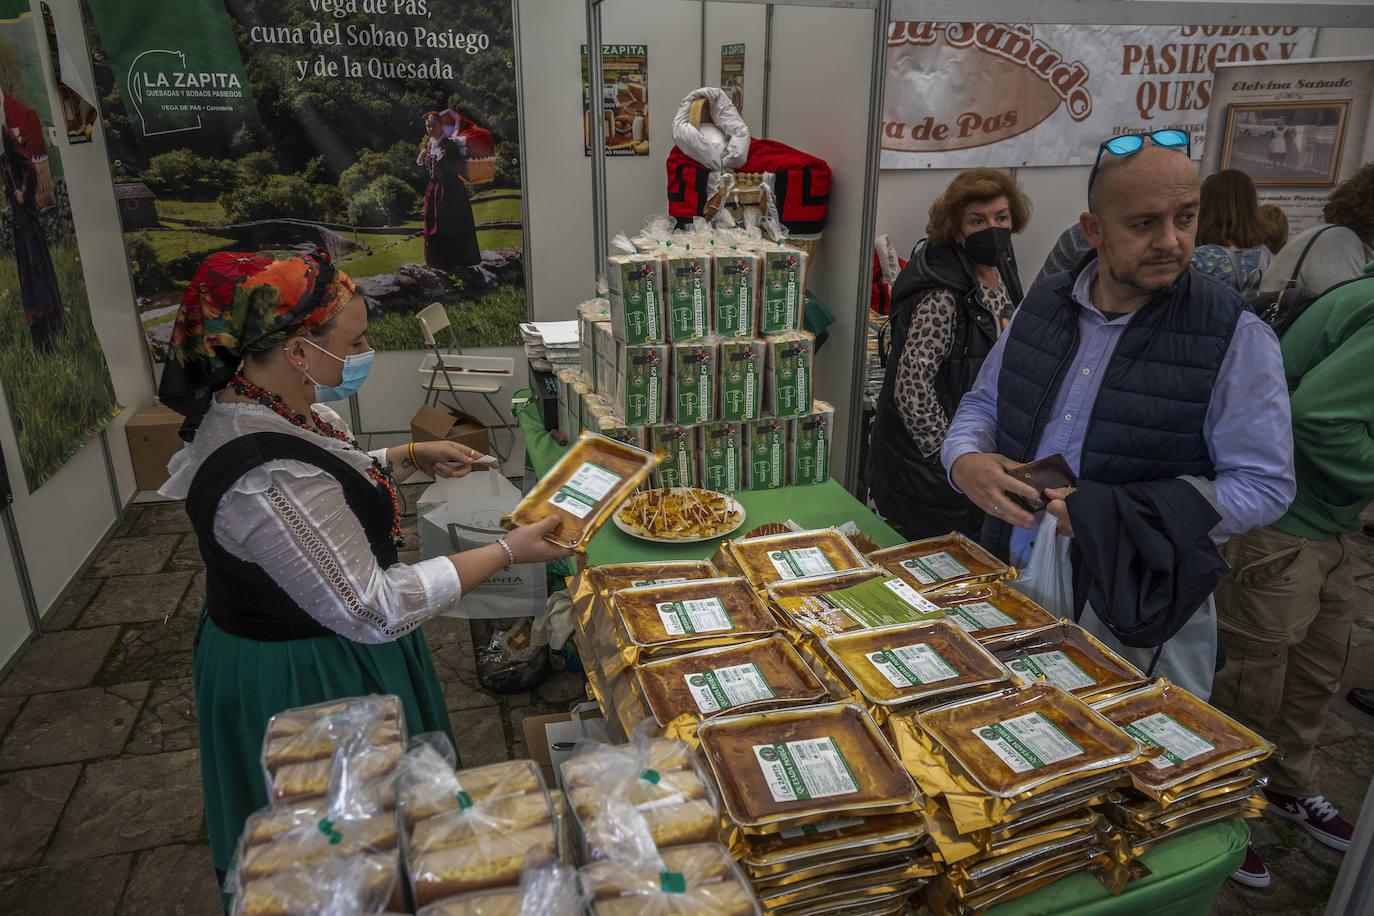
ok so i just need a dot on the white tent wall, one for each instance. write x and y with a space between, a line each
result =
67 519
1058 194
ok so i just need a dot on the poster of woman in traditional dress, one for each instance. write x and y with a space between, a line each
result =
450 231
42 301
56 381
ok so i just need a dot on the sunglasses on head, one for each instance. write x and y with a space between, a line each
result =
1127 144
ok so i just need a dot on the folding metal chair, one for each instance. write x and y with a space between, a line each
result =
454 373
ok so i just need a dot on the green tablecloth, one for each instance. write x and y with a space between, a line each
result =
813 507
1186 872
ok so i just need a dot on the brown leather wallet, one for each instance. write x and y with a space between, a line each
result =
1049 473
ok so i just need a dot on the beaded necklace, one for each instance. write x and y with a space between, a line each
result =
273 402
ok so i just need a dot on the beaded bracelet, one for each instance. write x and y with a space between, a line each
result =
510 554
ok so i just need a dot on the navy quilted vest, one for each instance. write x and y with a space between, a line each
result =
1147 421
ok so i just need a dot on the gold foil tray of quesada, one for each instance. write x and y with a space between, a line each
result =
762 674
1067 656
692 615
894 666
795 766
587 484
781 557
1198 740
941 561
988 611
1016 740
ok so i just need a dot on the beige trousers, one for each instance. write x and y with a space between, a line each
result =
1284 614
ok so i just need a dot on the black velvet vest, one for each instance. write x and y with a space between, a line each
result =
240 597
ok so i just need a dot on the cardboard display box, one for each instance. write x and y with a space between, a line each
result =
550 740
430 424
153 440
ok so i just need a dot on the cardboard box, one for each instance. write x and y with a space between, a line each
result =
153 440
782 290
688 296
693 382
722 457
741 379
766 444
679 444
430 424
808 451
736 280
551 739
788 389
642 389
636 294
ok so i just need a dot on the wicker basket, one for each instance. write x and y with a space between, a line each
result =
481 171
45 197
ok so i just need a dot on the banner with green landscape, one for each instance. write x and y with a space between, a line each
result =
56 381
297 124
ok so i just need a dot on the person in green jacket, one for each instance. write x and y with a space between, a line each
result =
1285 611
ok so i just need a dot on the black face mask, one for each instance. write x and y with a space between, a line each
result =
988 246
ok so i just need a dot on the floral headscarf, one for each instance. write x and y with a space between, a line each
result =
239 304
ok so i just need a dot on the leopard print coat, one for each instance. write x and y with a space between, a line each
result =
929 342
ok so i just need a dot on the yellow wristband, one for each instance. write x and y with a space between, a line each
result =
413 460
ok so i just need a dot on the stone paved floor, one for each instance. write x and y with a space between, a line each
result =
99 772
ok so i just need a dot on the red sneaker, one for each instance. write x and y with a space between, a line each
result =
1315 815
1252 873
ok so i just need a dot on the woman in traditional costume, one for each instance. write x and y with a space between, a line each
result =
305 601
450 230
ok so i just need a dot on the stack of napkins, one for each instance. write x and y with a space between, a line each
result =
551 345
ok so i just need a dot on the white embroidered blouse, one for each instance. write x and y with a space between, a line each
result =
290 518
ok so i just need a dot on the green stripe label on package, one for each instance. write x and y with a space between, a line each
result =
723 688
813 768
704 615
1028 742
1180 743
937 567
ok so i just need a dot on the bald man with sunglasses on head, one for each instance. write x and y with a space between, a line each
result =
1139 372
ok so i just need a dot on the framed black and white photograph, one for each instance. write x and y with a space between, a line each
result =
1286 143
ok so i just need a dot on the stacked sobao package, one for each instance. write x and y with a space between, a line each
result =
1204 774
648 819
470 830
698 352
328 840
547 887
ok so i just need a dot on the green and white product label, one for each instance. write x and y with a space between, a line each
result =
1028 742
781 292
880 603
704 615
910 666
835 823
679 465
1053 666
636 307
722 688
741 383
1180 743
721 458
937 567
588 485
814 768
802 561
767 446
735 277
687 284
673 581
973 618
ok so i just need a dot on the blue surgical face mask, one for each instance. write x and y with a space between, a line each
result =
355 369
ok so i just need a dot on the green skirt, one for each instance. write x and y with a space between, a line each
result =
241 683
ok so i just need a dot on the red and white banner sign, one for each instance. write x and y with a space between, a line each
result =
963 94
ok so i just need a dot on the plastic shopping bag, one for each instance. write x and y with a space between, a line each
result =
1046 580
